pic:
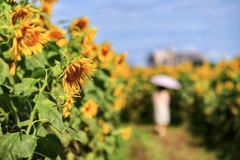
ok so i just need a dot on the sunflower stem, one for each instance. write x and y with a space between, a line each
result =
33 113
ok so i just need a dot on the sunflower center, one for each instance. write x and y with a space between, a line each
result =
18 15
104 52
88 108
81 25
73 75
120 61
30 39
55 35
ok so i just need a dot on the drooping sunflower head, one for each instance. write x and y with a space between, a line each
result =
89 109
75 75
21 12
79 25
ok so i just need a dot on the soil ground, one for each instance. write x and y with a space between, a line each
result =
145 144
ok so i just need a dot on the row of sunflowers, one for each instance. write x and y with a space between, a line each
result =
209 101
61 93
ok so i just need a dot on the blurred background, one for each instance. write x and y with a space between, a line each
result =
142 27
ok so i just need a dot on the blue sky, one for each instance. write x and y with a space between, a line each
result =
209 27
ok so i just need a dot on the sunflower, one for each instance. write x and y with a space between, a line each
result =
79 25
76 74
120 102
118 90
105 126
90 51
228 85
126 133
120 59
121 67
51 2
88 46
28 39
105 54
89 109
57 34
46 8
21 12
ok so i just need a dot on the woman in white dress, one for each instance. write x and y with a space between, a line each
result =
161 102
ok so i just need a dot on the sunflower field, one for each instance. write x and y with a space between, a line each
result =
208 101
64 96
60 92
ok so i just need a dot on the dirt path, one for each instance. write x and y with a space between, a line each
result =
177 145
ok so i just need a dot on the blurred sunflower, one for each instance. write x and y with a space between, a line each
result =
105 53
76 74
126 133
89 109
47 6
57 34
118 90
228 85
120 59
88 46
79 25
21 12
28 39
120 102
105 127
51 2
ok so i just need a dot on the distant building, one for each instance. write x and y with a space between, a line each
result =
170 58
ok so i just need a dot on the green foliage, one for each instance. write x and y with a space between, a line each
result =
15 146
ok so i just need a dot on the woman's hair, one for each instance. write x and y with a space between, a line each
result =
160 88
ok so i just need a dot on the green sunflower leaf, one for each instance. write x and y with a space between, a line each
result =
4 71
48 111
38 72
26 87
15 146
48 146
80 136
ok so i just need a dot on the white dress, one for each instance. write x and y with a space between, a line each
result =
161 101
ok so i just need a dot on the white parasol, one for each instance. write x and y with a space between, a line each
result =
165 81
